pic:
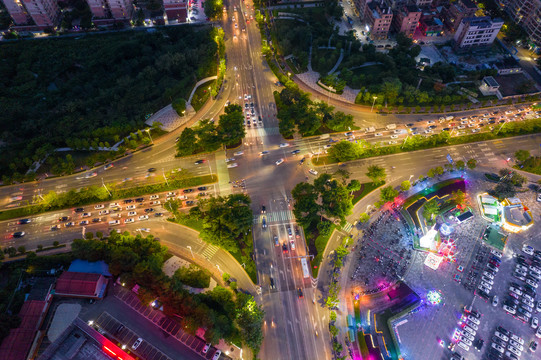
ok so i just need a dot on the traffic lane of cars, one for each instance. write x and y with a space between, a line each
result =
105 213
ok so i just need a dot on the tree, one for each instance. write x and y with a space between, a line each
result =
334 198
340 121
345 151
504 189
459 198
231 125
472 163
364 217
55 243
193 276
250 317
21 249
180 106
376 174
213 8
460 165
522 155
209 138
388 194
354 185
405 186
430 209
306 208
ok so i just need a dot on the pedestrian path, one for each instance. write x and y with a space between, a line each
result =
275 216
347 228
210 250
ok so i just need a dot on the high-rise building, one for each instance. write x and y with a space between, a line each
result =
176 10
44 13
378 16
120 9
526 13
455 12
477 31
98 8
406 19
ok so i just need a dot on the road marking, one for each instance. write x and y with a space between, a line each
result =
347 228
210 250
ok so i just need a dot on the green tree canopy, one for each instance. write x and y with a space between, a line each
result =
376 174
388 194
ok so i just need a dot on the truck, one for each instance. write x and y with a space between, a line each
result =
370 129
391 127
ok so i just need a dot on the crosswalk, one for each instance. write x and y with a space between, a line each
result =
210 250
262 132
347 228
275 216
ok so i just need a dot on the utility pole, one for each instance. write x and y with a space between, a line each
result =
103 183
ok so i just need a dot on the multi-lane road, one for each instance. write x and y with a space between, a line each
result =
295 326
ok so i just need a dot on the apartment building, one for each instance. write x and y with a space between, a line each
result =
406 19
121 9
176 10
99 8
455 12
44 13
477 31
526 13
378 17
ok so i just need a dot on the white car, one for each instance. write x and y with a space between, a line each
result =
538 306
143 229
488 275
515 290
510 310
528 302
487 280
535 269
283 145
239 153
497 347
467 335
379 134
522 267
84 222
531 283
115 204
206 348
312 171
486 285
233 165
117 215
466 341
514 350
100 206
130 207
483 288
229 160
278 162
496 253
521 272
143 217
464 346
156 202
87 214
501 336
154 197
114 222
470 330
217 355
132 213
473 319
535 322
472 325
129 221
170 194
527 249
517 339
137 343
103 212
538 332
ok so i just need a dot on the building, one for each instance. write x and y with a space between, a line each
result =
526 13
454 14
176 11
99 8
489 86
423 3
431 25
120 9
507 66
81 342
378 17
477 31
406 19
81 285
517 217
43 13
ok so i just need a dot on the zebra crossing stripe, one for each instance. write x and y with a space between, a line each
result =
347 228
210 250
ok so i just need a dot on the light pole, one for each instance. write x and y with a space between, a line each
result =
373 102
165 177
210 169
404 143
500 128
148 132
189 247
103 183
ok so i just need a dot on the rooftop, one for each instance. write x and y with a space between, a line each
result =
78 284
96 267
481 21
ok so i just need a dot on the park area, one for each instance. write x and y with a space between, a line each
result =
93 90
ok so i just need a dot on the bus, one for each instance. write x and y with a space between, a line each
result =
305 271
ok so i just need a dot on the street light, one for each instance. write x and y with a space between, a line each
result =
189 247
148 132
375 97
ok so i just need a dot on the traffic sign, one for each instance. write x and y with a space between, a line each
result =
450 159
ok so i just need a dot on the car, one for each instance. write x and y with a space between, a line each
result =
488 284
519 276
157 202
509 310
466 341
266 152
533 346
217 355
312 171
99 206
521 267
495 300
84 222
140 200
229 160
114 222
492 267
69 224
511 356
524 312
497 347
470 330
206 348
137 343
531 283
501 336
295 152
283 145
538 306
190 203
130 207
114 205
467 335
285 250
18 234
289 233
202 188
516 345
108 166
149 210
464 346
154 197
473 319
299 292
55 227
279 161
87 214
187 191
394 136
479 344
527 249
24 221
528 296
151 169
132 213
496 259
129 221
199 162
92 174
488 274
516 338
496 253
535 269
64 218
515 290
233 165
528 302
493 262
96 220
158 214
264 222
499 341
143 217
514 350
483 289
276 241
292 244
473 325
79 210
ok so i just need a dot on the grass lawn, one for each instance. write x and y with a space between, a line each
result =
316 243
202 94
366 188
532 165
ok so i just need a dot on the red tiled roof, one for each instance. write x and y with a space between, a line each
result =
17 344
77 283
